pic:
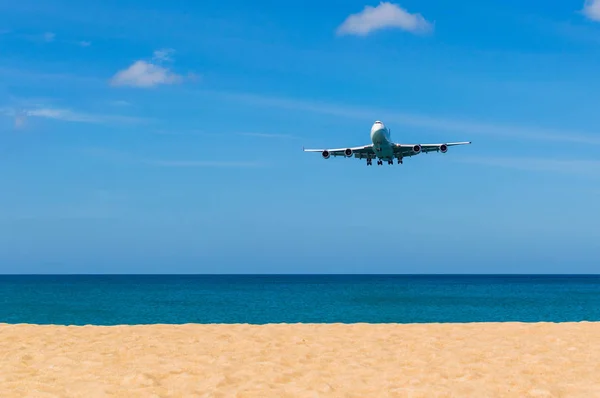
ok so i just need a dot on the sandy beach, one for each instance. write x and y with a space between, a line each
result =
302 360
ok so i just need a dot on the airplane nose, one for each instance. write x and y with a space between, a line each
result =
377 127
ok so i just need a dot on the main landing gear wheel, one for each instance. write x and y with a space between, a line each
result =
390 162
399 161
379 162
369 162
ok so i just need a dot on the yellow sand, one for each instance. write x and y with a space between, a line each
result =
302 360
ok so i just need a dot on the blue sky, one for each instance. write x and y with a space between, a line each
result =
164 136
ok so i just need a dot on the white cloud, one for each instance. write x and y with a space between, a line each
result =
591 9
149 73
385 15
145 74
67 115
62 114
47 37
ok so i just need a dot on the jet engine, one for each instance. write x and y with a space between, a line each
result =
325 154
444 148
348 152
417 148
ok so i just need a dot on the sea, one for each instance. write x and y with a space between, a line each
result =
261 299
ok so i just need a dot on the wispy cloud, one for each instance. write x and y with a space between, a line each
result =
591 9
385 15
151 73
67 115
221 134
551 165
46 37
268 135
119 103
463 126
123 157
178 132
62 114
163 54
202 163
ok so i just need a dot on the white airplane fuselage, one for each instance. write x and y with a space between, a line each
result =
382 141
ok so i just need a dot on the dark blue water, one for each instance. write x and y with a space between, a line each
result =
110 300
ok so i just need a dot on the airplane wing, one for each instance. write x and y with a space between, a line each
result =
358 151
414 149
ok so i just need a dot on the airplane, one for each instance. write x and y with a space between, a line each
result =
383 148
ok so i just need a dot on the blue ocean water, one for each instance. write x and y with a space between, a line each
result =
259 299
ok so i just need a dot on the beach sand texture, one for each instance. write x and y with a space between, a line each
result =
302 360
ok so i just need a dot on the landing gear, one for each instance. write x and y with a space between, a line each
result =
380 161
